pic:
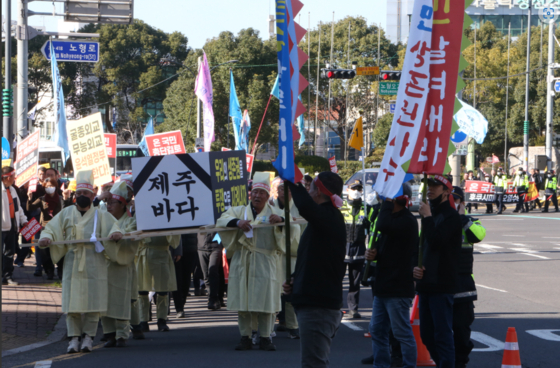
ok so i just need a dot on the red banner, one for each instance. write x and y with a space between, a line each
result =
332 163
27 159
481 191
430 154
32 228
111 148
168 143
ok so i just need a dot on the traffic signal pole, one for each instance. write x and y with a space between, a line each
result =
550 96
22 36
7 93
527 81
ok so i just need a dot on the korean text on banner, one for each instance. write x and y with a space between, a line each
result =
87 146
203 90
332 164
432 146
27 159
483 192
177 191
411 99
168 143
111 148
32 228
250 159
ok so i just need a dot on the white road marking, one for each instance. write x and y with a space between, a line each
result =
517 236
492 343
43 364
488 287
535 255
523 250
556 248
545 334
488 246
520 245
548 237
352 326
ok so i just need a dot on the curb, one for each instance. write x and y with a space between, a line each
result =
57 335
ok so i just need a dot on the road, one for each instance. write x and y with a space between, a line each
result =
516 269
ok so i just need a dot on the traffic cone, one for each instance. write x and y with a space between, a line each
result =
511 350
423 356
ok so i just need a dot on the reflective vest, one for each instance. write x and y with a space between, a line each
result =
473 232
521 181
551 183
500 181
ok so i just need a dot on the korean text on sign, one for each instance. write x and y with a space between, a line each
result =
168 143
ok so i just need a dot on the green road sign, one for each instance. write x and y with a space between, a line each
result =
388 88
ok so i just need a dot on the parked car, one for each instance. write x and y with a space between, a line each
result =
371 178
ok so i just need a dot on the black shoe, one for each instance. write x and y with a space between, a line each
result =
162 325
111 341
281 327
197 292
294 334
19 264
245 344
137 333
38 273
353 315
544 211
266 344
222 304
515 211
499 213
144 327
214 306
368 360
121 343
50 275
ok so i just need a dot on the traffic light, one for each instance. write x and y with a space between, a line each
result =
391 75
338 73
7 102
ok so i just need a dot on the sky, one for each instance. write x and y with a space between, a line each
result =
202 20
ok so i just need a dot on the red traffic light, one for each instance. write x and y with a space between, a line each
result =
391 75
385 76
330 74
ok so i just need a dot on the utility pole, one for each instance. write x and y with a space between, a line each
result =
198 104
7 93
325 151
22 64
455 159
308 75
347 91
527 77
549 96
317 94
507 102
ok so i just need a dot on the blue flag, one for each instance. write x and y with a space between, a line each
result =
148 131
301 128
235 112
60 136
276 88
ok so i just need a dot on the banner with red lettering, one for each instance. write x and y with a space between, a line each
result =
111 148
332 163
27 159
484 192
32 228
168 143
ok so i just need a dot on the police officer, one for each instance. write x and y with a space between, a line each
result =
521 183
489 208
463 301
550 185
500 183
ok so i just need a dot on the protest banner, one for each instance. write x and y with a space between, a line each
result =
168 143
483 192
250 159
187 190
33 185
32 228
86 141
332 163
111 149
27 159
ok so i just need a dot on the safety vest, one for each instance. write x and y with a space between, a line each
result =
551 183
372 232
500 181
521 181
473 232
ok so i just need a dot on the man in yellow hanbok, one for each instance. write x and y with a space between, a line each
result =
254 282
84 283
123 281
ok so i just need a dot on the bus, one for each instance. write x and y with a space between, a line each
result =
125 154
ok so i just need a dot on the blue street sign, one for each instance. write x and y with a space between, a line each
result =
392 107
5 149
557 86
76 51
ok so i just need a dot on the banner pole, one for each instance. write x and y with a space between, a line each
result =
424 195
260 126
287 227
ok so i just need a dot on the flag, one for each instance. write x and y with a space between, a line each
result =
276 88
115 117
60 136
203 90
495 159
472 122
532 193
357 137
234 111
244 132
301 128
148 131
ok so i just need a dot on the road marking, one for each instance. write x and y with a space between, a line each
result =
352 326
556 248
517 236
488 246
535 255
550 237
492 343
545 334
523 250
488 287
520 245
48 363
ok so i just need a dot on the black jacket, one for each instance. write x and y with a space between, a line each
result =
206 242
320 264
356 234
465 288
441 249
395 250
189 243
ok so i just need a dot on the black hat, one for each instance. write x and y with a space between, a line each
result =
356 185
458 193
440 180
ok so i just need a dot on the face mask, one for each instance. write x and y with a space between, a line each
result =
457 205
83 201
50 190
436 201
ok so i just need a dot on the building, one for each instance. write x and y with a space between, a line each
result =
500 12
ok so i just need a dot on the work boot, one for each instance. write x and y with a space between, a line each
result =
245 344
74 345
137 333
111 341
368 360
144 327
266 344
87 344
162 325
121 343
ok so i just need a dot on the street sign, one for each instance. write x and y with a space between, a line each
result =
557 86
392 108
99 11
388 88
76 51
367 70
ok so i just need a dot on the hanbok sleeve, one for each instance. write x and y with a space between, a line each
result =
55 232
124 251
108 225
230 238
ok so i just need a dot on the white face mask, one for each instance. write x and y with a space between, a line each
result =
50 190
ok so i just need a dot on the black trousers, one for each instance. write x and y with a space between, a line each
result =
354 278
213 274
489 208
184 268
521 203
9 244
554 200
500 201
463 317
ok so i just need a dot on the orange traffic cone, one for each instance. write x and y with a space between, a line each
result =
423 356
511 350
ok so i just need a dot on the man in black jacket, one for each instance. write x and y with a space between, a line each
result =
442 234
210 252
316 287
394 285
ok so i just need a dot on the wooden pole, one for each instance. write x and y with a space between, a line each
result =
287 233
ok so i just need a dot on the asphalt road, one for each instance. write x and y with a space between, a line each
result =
516 270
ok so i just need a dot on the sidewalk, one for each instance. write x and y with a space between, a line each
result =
31 310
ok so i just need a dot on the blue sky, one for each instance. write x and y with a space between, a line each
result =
201 20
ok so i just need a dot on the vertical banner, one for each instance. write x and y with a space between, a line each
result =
87 146
248 157
430 153
332 163
411 100
111 148
27 159
203 89
168 143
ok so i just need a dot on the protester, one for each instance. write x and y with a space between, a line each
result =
316 287
550 186
308 180
521 183
394 284
210 254
500 184
536 178
84 286
441 228
184 267
489 208
253 285
13 219
23 252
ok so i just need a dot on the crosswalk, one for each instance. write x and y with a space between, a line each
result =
531 250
